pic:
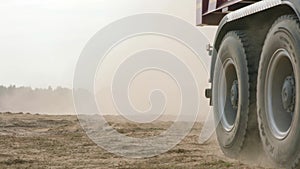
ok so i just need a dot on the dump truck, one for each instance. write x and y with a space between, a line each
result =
255 77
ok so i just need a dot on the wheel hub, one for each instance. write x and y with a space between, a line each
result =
228 99
234 94
288 94
280 93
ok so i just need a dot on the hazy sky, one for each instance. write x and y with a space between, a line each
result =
41 40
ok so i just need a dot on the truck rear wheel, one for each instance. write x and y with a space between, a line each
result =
234 97
278 92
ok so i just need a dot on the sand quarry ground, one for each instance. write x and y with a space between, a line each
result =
43 141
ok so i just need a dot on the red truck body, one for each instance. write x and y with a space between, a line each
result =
210 12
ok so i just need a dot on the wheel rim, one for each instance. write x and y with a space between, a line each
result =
280 94
229 95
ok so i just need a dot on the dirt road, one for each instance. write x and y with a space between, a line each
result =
42 141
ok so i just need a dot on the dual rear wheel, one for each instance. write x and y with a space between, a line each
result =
278 92
234 97
255 98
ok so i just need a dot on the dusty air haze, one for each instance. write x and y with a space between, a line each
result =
41 41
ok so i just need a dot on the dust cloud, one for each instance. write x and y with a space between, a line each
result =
59 101
43 101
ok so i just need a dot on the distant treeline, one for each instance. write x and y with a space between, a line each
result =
45 101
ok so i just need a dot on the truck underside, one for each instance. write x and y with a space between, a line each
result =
255 78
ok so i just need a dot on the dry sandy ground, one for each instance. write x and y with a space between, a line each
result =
41 141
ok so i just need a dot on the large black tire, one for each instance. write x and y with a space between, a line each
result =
240 139
280 64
